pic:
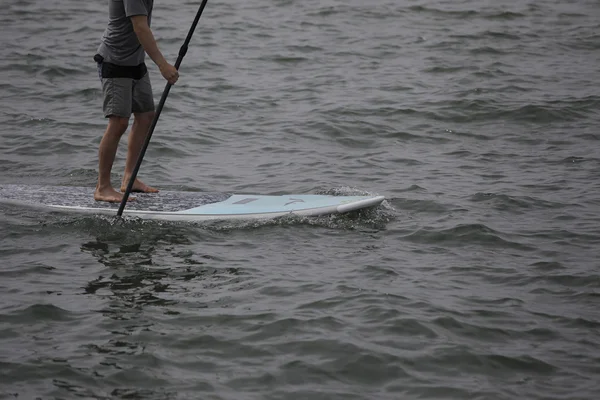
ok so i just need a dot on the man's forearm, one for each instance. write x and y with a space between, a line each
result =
146 38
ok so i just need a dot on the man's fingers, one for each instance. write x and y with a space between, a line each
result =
170 73
172 77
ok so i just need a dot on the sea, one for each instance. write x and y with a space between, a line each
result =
477 278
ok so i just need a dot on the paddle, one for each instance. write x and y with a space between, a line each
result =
182 53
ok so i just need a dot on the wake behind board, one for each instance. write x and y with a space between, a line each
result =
186 206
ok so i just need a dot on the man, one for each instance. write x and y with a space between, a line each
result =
126 89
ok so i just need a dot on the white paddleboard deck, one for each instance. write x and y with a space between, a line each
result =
186 206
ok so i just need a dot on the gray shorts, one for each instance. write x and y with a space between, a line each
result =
123 96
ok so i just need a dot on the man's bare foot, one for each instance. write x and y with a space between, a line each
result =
110 195
138 186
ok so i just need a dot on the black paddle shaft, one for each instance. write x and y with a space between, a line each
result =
182 53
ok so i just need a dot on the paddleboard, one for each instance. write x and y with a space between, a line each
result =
186 206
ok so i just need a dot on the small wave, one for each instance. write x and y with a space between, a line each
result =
326 12
288 59
513 203
406 137
589 136
568 320
487 50
304 48
429 206
410 327
505 15
562 235
590 281
469 360
486 35
589 42
472 330
413 188
371 218
519 363
464 235
444 70
469 135
464 110
501 35
447 13
117 347
345 191
548 266
39 313
149 394
407 162
126 231
573 160
84 94
570 15
61 72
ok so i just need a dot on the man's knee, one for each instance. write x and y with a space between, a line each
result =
145 118
118 124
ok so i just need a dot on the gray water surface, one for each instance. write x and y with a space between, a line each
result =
478 278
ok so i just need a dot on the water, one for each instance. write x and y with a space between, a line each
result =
477 279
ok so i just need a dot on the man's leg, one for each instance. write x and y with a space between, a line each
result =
143 111
137 136
106 157
117 107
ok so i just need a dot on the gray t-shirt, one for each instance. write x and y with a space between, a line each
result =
120 44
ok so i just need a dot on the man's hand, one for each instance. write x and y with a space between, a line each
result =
169 72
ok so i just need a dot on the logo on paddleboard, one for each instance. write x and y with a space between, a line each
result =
246 200
293 201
